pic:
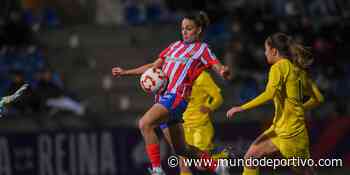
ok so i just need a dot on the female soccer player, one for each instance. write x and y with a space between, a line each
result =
182 62
287 85
198 128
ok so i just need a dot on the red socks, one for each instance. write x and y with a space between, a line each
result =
153 152
211 167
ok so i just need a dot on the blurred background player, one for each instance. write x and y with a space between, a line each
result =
198 128
11 98
182 61
288 83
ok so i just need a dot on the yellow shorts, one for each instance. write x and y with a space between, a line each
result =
296 146
200 136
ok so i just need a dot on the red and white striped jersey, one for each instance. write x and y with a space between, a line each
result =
183 63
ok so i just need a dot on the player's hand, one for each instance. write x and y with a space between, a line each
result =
204 109
225 73
117 71
234 110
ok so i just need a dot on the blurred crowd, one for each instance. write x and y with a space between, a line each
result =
23 60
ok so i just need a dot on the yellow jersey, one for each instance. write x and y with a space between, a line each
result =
287 86
204 93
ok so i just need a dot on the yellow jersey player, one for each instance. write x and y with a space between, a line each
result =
198 128
287 85
205 98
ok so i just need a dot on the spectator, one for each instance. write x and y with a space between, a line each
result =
29 103
54 97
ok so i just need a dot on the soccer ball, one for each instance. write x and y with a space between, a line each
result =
153 81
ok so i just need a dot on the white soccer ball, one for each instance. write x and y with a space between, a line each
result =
153 81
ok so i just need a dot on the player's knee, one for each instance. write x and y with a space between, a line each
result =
143 125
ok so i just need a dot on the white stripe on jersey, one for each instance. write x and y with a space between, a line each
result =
182 76
173 46
200 51
176 51
204 61
173 71
211 54
188 65
189 48
165 69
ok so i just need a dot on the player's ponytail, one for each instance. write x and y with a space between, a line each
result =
200 18
301 56
290 49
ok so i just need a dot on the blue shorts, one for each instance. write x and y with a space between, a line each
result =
176 105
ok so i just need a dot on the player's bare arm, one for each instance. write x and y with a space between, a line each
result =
118 71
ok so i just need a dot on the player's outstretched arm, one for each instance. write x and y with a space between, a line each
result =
118 71
273 84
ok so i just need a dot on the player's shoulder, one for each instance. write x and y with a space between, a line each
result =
204 44
282 62
176 42
282 65
172 44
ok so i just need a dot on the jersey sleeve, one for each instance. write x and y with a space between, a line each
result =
210 87
275 78
208 58
315 94
274 83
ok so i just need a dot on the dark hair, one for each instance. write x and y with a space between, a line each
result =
289 48
200 18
